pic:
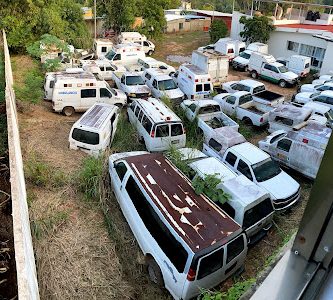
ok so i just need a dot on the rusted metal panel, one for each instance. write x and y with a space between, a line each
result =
197 221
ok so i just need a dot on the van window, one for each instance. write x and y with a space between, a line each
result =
244 99
51 84
210 263
105 93
324 99
155 84
231 99
86 137
163 237
207 87
198 87
215 145
284 145
101 68
140 115
132 106
137 111
235 248
121 170
176 129
257 213
88 93
146 123
231 159
162 130
244 169
285 121
148 76
104 49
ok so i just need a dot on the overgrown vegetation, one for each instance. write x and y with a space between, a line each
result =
41 174
3 119
218 30
31 90
256 29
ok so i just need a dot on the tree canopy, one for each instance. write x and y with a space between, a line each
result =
218 30
256 29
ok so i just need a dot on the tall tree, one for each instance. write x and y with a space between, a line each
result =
218 30
256 29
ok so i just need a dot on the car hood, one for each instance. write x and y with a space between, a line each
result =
290 75
241 60
120 94
172 94
307 88
138 89
281 186
305 96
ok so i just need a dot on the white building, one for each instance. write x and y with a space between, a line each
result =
296 34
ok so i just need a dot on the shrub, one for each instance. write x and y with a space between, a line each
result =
218 30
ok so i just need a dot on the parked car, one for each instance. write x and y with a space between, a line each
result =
290 117
125 54
158 126
325 98
152 63
213 63
95 130
266 67
241 62
162 85
249 205
321 110
242 105
189 244
301 150
208 115
195 83
103 68
137 38
244 158
78 92
132 84
312 88
299 64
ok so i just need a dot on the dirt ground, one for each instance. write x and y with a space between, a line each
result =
77 255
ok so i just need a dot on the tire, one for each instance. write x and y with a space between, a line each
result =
68 111
247 121
150 52
254 74
234 67
282 83
154 272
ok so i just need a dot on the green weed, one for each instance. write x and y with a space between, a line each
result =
32 90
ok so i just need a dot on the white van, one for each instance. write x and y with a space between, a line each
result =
95 130
152 63
162 85
299 64
189 244
78 92
135 37
158 126
195 83
101 47
229 47
125 54
258 47
104 68
50 79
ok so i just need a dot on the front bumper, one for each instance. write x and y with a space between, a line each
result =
283 204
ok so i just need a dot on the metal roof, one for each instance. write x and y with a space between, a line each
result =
96 115
194 69
197 221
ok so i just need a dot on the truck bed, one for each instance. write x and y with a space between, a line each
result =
252 107
268 97
216 121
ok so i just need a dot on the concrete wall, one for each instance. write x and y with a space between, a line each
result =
236 27
328 60
192 25
24 253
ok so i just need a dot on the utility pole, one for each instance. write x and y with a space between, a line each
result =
95 19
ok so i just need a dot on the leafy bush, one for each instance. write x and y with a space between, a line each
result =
218 30
52 65
90 176
256 29
208 187
32 90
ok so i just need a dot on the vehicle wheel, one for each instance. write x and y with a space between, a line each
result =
68 111
254 74
282 83
247 121
234 67
150 52
154 272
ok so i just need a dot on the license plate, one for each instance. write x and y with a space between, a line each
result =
175 142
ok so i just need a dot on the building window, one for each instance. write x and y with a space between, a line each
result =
181 26
292 46
316 54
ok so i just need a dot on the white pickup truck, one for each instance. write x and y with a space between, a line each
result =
256 88
242 105
244 158
132 84
209 115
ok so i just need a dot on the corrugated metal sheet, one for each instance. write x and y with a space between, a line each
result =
197 221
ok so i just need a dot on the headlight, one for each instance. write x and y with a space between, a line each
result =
131 95
149 94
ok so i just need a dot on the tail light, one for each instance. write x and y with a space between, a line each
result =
305 141
191 274
152 134
196 80
261 119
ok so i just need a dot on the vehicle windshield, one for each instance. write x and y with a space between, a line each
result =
245 55
266 170
110 54
283 69
245 99
329 115
134 80
314 95
166 85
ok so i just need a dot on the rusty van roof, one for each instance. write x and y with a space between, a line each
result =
194 217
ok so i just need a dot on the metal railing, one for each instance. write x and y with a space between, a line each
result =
24 253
